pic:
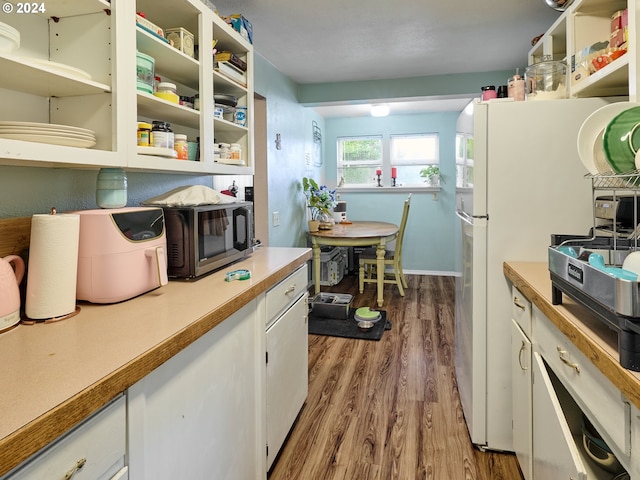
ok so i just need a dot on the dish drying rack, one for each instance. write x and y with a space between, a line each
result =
603 289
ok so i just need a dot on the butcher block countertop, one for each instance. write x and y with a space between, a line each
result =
590 335
55 375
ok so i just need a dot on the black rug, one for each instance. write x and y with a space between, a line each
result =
347 328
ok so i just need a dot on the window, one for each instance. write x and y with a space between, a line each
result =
358 159
410 157
464 160
415 159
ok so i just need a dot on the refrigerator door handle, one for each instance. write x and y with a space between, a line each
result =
464 216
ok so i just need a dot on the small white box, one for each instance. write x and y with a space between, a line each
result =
182 39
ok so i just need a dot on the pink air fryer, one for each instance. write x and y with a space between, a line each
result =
122 253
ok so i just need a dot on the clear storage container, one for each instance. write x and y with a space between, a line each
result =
546 81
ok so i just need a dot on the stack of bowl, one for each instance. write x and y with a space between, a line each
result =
9 38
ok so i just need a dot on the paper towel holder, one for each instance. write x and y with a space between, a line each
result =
32 321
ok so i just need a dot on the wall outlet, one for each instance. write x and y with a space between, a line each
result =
275 218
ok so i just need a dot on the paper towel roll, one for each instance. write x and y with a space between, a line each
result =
53 266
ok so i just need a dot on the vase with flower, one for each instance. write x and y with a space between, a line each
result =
320 201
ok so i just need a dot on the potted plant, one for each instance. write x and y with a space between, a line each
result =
432 175
320 201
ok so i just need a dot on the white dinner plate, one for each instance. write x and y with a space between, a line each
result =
590 136
56 67
47 126
51 139
599 157
57 133
9 31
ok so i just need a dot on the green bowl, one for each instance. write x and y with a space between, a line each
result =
621 140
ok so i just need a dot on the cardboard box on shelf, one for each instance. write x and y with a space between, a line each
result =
619 20
617 38
242 26
147 25
182 39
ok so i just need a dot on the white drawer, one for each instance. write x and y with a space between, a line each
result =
521 311
590 389
284 293
98 444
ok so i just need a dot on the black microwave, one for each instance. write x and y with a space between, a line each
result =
206 238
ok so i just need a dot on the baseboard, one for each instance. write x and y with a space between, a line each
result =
433 273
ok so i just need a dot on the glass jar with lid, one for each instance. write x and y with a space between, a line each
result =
546 80
162 135
144 134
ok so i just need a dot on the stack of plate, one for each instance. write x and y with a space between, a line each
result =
609 137
48 133
9 38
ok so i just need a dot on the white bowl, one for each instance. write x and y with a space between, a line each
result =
9 30
8 45
9 38
632 262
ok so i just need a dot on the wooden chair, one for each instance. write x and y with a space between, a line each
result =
367 271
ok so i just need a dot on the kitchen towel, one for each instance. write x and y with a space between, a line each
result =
53 266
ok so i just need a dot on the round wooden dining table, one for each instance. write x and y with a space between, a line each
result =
355 234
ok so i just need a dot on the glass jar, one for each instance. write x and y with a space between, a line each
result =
111 188
162 135
489 92
144 134
515 87
181 147
546 80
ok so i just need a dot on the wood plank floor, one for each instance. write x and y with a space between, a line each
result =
389 409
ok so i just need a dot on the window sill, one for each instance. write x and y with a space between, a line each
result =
369 189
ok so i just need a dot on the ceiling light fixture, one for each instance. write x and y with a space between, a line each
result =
380 110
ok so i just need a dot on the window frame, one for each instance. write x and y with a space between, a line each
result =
387 162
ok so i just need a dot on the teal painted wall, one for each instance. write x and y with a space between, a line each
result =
25 191
287 166
401 88
430 236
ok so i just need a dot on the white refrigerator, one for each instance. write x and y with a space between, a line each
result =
526 181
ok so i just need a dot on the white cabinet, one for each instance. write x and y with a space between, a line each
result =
555 454
635 440
77 66
555 388
583 24
287 358
199 415
521 380
62 73
93 450
522 398
287 374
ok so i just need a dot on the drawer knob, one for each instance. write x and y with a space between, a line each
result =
517 303
567 362
290 290
79 464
